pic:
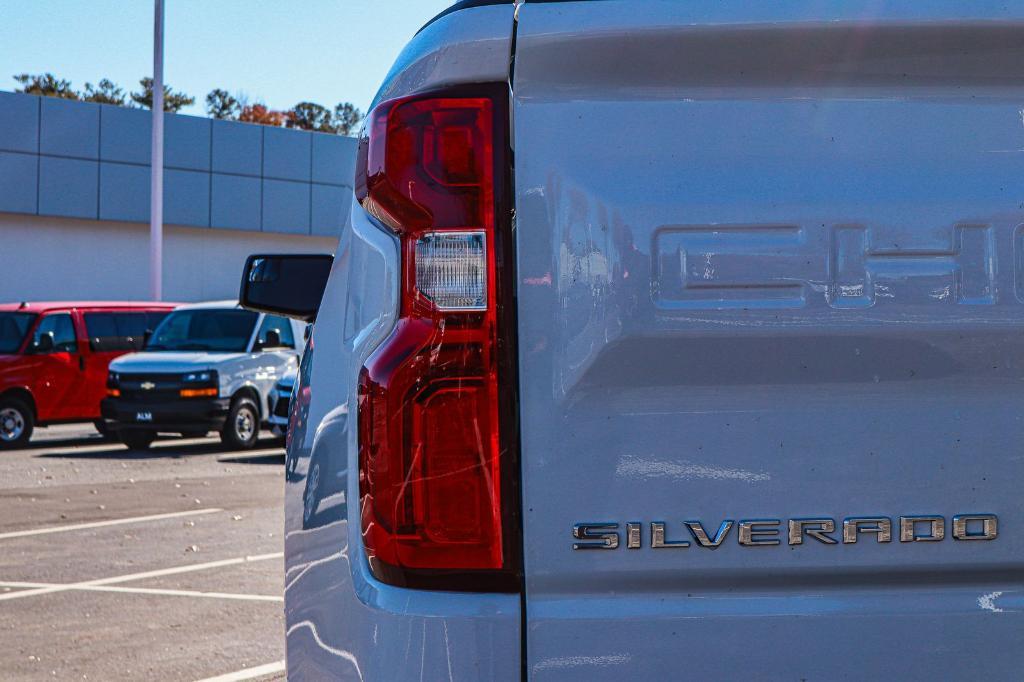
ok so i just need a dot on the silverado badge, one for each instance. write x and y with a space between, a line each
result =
768 532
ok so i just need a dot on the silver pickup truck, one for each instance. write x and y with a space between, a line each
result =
670 340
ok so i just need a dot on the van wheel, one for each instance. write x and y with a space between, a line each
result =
137 440
101 428
16 423
242 429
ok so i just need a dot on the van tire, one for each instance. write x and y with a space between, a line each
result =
137 440
242 429
101 428
16 423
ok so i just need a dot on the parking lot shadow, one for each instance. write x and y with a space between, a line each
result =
167 449
263 458
67 442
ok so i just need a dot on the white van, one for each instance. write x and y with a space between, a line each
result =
280 403
207 367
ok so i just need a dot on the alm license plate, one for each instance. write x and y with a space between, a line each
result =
143 416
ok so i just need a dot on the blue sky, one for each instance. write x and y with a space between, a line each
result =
277 51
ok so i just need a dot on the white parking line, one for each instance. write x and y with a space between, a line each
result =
248 673
186 568
63 587
112 522
249 454
148 590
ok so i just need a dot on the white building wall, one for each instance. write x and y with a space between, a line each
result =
46 258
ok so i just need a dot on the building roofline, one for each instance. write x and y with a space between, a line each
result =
46 306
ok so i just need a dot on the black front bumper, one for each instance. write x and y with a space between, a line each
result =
186 414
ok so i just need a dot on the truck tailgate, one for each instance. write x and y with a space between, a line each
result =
771 271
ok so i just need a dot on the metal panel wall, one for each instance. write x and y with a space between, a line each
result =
286 155
84 160
20 129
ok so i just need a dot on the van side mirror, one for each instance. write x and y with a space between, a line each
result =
289 285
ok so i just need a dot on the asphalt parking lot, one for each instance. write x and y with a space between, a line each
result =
124 565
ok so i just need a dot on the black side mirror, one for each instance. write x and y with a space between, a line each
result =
289 285
44 344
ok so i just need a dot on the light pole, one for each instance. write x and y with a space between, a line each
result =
156 184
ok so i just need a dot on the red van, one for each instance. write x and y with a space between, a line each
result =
54 357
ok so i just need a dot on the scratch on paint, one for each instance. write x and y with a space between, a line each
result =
578 661
709 269
851 289
637 467
538 281
988 602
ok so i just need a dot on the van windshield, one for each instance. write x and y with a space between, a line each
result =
219 331
13 328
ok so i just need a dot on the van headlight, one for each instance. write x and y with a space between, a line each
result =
113 385
208 376
204 384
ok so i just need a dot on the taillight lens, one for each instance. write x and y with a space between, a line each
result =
434 397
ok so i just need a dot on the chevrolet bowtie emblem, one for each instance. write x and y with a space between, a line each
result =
147 385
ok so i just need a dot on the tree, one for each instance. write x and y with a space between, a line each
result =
259 113
173 101
45 85
346 118
104 93
310 116
221 105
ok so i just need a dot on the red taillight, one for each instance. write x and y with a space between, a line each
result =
432 475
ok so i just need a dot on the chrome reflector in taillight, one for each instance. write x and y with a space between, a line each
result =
435 422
